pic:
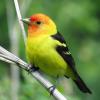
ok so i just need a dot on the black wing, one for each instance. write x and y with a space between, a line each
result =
64 51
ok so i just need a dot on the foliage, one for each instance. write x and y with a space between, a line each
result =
78 21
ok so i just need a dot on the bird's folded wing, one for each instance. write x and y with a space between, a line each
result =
64 51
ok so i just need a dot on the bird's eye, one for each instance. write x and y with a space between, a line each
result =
38 22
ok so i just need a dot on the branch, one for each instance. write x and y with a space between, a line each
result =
19 19
11 58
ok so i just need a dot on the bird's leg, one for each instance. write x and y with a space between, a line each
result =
51 89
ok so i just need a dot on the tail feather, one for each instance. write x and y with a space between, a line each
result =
82 86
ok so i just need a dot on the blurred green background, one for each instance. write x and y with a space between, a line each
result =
78 21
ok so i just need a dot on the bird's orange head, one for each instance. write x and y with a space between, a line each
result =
40 24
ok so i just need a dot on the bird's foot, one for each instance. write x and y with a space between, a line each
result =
51 89
33 69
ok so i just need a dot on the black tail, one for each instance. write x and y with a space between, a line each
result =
81 85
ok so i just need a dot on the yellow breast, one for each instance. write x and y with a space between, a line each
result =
41 52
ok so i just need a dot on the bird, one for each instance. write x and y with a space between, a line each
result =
47 50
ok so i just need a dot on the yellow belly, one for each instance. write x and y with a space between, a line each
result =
44 55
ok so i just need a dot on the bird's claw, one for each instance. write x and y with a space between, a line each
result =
32 69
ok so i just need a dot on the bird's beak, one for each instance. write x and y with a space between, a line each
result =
26 20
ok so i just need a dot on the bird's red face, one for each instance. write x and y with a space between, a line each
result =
39 24
38 19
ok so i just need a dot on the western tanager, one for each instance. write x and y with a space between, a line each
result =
47 50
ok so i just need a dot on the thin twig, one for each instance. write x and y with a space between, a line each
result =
5 60
19 19
9 56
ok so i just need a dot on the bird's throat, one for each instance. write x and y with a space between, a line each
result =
33 31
